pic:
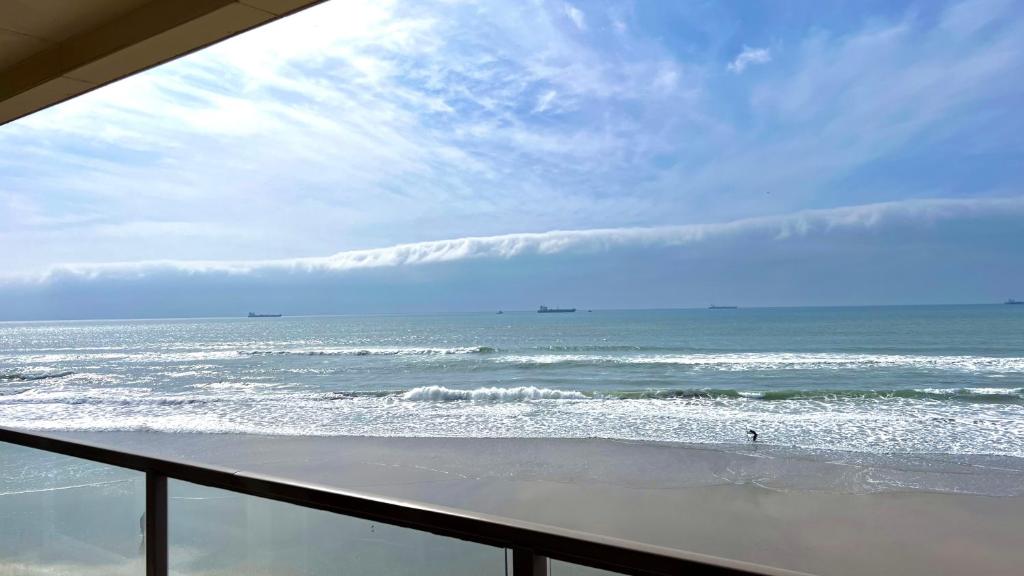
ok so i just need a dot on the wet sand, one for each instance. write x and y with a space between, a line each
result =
756 504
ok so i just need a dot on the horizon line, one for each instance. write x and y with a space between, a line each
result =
502 310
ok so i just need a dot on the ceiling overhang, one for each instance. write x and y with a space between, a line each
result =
54 50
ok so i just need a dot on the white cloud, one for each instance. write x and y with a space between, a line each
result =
544 101
667 78
576 15
847 103
749 56
353 123
924 212
970 16
363 123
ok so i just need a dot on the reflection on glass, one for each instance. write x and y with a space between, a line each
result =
63 515
218 532
559 568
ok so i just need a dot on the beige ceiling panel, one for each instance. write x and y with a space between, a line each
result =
56 90
58 20
32 72
223 23
52 50
276 7
15 47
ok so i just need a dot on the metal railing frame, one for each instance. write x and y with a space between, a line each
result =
531 544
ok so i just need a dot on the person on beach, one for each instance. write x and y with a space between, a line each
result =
753 435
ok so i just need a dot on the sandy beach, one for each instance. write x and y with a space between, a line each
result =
754 503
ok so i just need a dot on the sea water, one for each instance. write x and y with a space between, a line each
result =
881 380
852 400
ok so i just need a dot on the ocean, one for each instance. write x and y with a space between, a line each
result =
879 380
924 402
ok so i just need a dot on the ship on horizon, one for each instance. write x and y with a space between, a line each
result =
714 307
1012 301
546 310
255 315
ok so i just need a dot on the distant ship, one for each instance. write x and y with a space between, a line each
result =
255 315
713 307
546 310
1012 301
500 312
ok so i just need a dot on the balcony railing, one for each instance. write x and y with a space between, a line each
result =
531 545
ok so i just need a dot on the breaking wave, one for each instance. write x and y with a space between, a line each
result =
490 394
25 376
496 394
992 395
372 351
779 361
29 397
230 393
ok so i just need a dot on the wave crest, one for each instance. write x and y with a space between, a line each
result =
753 361
372 351
981 395
23 376
489 394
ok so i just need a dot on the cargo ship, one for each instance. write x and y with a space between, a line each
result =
713 307
255 315
1012 301
546 310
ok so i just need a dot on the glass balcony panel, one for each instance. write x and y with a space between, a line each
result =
559 568
64 515
214 531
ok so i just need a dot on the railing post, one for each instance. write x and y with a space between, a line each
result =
156 524
526 563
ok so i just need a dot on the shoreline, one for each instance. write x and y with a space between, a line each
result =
800 469
762 505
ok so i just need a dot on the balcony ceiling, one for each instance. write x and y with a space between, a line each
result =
53 50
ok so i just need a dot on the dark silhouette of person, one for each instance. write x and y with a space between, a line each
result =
753 435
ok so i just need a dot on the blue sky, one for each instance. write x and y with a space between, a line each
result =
768 153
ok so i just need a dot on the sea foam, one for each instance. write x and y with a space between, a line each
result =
357 351
780 361
490 394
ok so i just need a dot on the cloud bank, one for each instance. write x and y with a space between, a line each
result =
803 224
915 251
